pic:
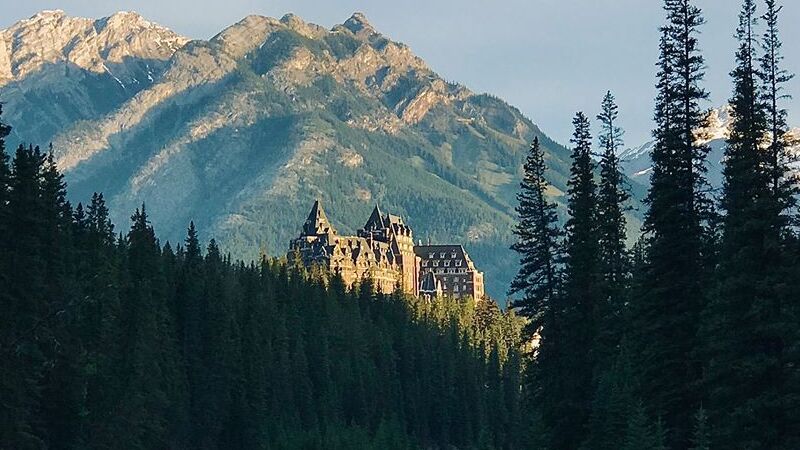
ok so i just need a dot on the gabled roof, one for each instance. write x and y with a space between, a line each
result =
317 222
375 221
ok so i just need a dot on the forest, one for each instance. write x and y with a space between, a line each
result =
116 341
689 339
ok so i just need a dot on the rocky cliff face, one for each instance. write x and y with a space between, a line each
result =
99 46
242 132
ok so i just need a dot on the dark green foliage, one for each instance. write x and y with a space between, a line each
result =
773 78
124 343
670 295
749 324
614 264
537 243
567 334
700 437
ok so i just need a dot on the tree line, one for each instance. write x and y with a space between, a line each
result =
113 340
689 339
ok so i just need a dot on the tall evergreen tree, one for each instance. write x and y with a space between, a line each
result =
773 79
611 226
565 361
744 329
672 290
537 242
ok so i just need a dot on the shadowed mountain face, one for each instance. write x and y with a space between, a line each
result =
242 132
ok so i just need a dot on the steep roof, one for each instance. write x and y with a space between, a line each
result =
375 221
317 222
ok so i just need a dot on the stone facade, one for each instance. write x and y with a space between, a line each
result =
384 250
452 268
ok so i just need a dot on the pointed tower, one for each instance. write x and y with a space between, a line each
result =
375 221
317 223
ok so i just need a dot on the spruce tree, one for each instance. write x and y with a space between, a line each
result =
773 79
737 328
537 243
566 360
671 295
611 226
700 437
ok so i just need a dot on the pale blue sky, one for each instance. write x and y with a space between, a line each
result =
550 58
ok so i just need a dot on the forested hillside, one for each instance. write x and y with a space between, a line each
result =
246 129
122 341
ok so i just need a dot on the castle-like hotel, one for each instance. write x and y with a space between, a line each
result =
384 251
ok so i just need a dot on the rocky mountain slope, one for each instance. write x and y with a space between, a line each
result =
242 132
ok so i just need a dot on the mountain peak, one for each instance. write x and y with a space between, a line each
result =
97 45
358 22
48 13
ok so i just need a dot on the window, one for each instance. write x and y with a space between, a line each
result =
447 263
453 255
436 264
441 255
455 288
424 263
458 263
431 255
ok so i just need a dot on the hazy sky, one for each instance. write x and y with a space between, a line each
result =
549 58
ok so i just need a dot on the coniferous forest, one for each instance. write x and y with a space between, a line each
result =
687 339
115 341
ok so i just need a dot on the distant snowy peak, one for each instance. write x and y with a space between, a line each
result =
636 162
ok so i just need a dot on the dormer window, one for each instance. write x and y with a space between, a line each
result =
436 264
441 255
453 255
447 263
458 263
431 255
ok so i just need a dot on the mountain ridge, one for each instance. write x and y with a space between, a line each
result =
243 131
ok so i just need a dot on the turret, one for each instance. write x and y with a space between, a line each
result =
317 223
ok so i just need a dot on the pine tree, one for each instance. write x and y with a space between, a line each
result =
666 315
614 261
26 336
565 358
145 409
640 434
773 79
537 243
700 438
747 328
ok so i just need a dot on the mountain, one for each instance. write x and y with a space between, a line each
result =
240 133
636 163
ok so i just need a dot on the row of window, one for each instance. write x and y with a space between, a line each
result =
446 263
453 255
456 280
